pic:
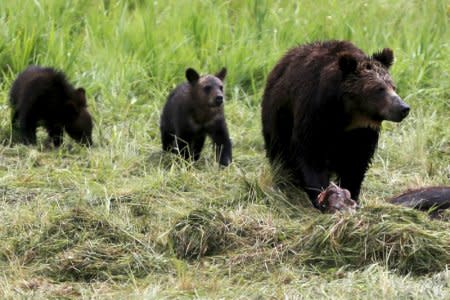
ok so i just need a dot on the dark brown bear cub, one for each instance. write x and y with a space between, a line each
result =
192 111
43 96
322 110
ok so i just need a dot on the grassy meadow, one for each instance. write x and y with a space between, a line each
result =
124 220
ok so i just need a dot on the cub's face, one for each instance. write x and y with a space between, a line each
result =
79 125
80 129
207 90
369 93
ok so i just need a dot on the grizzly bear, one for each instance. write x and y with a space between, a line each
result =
194 110
43 96
322 110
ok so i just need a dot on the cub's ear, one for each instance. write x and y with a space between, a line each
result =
385 56
347 63
81 92
192 76
222 74
80 97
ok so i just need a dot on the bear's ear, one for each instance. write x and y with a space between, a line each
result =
81 92
385 56
192 76
347 63
81 97
222 74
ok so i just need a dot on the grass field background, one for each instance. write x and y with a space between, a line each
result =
122 219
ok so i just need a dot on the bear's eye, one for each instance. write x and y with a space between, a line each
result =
368 67
380 89
207 89
221 88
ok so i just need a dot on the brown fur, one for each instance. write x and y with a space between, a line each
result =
360 121
321 113
43 96
435 197
192 111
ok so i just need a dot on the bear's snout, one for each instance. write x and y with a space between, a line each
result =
400 109
219 100
404 110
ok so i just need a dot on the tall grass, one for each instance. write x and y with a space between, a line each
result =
113 220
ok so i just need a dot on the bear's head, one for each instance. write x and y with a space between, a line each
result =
207 90
368 91
79 124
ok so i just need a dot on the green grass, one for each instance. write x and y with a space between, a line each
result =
123 220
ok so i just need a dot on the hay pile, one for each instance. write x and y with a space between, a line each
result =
401 239
83 246
201 232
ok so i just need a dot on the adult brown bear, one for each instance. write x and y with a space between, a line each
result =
321 113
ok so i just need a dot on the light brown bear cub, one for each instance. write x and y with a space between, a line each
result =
193 110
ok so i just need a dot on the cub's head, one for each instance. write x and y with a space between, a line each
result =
207 90
79 123
368 91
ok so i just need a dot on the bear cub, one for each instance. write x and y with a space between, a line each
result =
322 110
42 96
193 110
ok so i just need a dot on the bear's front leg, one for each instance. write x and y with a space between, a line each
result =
182 145
55 133
353 158
197 145
313 180
222 143
27 130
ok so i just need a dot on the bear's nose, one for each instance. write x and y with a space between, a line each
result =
404 110
219 100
